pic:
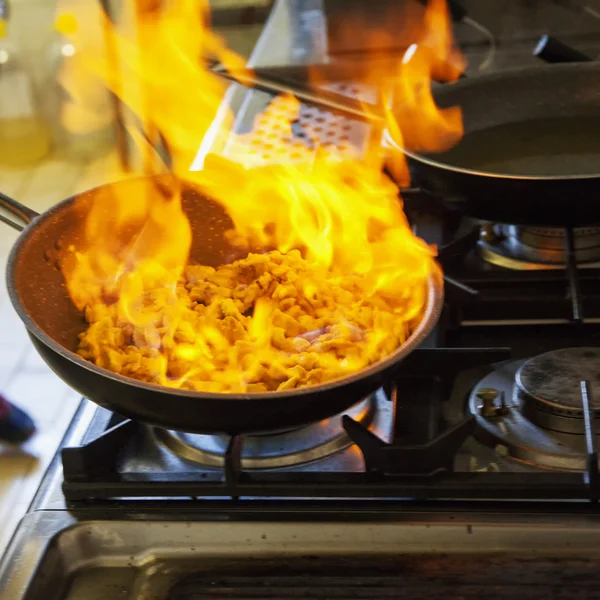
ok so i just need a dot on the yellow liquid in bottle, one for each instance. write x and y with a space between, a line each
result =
24 135
23 140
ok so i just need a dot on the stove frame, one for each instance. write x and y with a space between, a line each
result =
486 306
417 465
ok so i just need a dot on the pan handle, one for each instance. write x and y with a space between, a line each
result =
22 213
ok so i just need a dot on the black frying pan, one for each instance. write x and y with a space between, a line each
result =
38 293
531 147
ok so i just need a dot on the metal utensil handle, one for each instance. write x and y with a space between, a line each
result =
23 213
551 50
326 100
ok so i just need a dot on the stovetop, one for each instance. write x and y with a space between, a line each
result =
499 402
456 421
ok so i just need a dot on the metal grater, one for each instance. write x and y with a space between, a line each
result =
312 124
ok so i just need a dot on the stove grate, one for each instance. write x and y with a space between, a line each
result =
418 464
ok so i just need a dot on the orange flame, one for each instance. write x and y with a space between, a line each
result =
338 209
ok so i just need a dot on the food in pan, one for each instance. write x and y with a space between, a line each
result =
269 322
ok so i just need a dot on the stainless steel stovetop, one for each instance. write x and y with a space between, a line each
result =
479 480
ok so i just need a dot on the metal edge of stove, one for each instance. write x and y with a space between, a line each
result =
49 494
145 558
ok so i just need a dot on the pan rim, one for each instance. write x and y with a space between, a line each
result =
431 315
491 77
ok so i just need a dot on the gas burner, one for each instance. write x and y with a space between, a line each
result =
283 449
549 390
531 411
537 248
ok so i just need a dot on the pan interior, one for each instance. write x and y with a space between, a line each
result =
36 275
563 146
40 295
542 122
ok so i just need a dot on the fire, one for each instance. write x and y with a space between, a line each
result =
414 120
130 273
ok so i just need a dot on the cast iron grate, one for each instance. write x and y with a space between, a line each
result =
418 464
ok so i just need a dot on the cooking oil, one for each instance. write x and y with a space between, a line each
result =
24 134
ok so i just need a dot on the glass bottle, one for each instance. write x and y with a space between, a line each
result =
24 135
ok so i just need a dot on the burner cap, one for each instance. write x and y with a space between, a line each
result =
549 386
535 248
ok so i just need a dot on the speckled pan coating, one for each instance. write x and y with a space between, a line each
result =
39 295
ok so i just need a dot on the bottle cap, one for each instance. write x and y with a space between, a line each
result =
66 24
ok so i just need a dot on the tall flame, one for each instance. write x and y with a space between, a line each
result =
340 210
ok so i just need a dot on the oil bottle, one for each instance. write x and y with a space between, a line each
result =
78 136
24 134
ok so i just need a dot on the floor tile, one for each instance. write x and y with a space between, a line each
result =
11 358
33 361
41 393
12 330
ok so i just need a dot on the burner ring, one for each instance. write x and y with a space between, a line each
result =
548 387
535 248
272 450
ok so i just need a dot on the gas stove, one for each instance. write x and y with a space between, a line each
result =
495 404
482 449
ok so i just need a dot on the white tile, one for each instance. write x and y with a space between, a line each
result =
12 330
11 358
33 361
41 393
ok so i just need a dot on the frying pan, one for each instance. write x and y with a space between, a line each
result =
530 153
38 293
